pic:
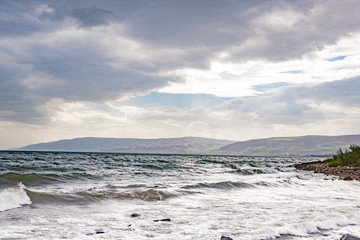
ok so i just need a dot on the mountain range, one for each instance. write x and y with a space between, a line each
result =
277 146
185 145
305 145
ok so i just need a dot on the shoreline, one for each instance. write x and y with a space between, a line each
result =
346 173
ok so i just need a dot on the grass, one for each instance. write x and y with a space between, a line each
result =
347 158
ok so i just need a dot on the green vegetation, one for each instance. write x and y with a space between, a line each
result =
347 158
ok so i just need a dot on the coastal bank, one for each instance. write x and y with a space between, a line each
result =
345 165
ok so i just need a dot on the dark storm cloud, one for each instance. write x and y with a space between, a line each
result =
295 27
92 16
16 102
13 18
47 72
102 50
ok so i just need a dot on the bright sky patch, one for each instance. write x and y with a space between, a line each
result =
339 58
184 101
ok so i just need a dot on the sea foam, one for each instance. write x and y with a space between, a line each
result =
13 197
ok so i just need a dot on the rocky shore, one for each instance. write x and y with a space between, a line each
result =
343 172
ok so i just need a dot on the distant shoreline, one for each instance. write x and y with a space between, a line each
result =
310 145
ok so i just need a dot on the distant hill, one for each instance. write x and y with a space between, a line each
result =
185 145
306 145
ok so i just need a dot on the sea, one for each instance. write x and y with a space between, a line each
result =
57 195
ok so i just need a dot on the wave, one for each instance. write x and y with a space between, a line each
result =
150 166
250 171
206 161
220 185
91 195
228 185
149 194
29 179
13 197
35 179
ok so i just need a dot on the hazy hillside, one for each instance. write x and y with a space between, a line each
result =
131 145
306 145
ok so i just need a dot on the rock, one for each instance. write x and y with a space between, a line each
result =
96 232
349 237
225 238
134 215
347 178
163 220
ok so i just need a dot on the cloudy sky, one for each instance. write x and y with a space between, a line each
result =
149 69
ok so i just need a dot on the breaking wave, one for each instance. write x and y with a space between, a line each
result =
91 195
13 197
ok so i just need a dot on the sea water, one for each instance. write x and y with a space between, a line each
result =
94 195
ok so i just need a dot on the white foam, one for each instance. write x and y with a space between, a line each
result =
13 197
301 204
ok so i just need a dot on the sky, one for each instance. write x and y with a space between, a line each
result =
221 69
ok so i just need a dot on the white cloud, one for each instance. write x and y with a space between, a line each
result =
239 79
67 67
278 20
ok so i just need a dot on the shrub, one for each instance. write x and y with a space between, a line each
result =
351 158
354 148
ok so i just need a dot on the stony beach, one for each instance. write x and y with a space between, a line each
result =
343 172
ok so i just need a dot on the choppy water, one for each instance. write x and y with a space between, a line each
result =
92 196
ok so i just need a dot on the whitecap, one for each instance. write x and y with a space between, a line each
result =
13 197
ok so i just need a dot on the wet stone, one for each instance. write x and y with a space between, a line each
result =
349 237
225 238
96 232
163 220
